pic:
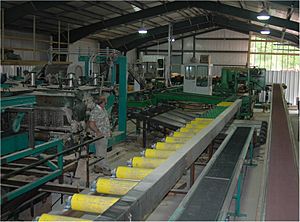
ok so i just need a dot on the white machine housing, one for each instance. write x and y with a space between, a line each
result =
154 64
197 78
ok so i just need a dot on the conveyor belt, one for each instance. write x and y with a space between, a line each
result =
168 121
174 118
206 199
185 113
181 115
282 200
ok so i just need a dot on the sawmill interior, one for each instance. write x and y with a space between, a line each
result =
150 110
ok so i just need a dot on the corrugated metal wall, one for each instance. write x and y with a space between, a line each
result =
218 58
11 70
290 78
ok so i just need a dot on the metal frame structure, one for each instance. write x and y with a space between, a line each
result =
37 151
15 17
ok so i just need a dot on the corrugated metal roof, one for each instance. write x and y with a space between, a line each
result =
77 14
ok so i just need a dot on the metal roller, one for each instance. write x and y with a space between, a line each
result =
183 135
190 130
203 119
50 217
195 126
225 104
199 124
177 140
143 162
203 123
112 186
154 153
167 146
131 173
90 203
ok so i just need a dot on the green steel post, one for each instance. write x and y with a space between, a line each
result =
17 122
251 164
113 75
60 158
122 61
85 59
237 197
49 163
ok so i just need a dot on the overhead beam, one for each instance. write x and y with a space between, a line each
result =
84 31
245 27
295 4
117 42
27 8
137 43
181 37
244 14
81 32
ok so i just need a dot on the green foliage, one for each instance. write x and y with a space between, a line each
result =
273 55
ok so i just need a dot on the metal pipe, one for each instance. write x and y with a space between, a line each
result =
51 49
168 68
31 128
34 38
95 82
32 79
68 40
87 171
59 40
71 79
249 50
49 158
194 46
2 29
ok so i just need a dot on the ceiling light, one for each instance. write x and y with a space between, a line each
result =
142 30
265 30
263 15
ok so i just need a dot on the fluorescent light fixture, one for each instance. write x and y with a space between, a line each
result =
263 15
265 30
143 30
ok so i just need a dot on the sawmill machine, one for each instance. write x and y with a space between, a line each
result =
246 83
65 94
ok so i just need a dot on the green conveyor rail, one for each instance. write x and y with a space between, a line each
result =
213 113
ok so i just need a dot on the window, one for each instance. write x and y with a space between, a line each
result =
272 55
202 77
190 72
